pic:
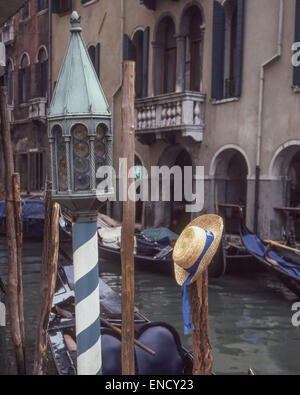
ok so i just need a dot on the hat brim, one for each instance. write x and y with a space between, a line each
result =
214 224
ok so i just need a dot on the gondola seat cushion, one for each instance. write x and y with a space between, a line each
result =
160 337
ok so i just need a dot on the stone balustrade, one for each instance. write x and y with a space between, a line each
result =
182 112
37 108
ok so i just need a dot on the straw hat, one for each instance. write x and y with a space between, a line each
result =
198 241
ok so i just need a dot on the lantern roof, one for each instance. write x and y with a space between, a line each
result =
78 91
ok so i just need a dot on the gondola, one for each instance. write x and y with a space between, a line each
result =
278 259
170 357
149 256
33 215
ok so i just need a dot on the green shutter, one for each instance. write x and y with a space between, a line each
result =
296 76
146 34
218 52
239 54
38 79
128 49
97 59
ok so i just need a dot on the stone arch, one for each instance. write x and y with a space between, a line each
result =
172 213
230 170
22 57
228 148
41 48
183 25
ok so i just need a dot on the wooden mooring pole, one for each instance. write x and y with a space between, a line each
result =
48 279
12 276
19 241
203 359
128 223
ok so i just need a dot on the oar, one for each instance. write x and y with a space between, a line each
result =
137 342
68 314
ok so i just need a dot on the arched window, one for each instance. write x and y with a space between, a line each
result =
191 29
41 73
10 82
138 43
165 57
24 79
94 52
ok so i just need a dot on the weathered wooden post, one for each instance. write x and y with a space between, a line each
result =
19 241
80 143
193 252
48 279
128 223
12 277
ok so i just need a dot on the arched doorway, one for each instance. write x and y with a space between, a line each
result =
285 171
230 176
172 214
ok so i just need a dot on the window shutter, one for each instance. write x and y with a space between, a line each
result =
27 83
20 85
218 52
55 6
296 76
238 60
69 5
128 49
38 79
146 34
97 59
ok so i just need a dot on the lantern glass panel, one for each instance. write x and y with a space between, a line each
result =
100 146
81 158
62 167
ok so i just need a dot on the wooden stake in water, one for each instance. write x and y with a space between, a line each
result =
203 359
12 276
48 280
127 258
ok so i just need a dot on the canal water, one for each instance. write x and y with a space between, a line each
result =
250 316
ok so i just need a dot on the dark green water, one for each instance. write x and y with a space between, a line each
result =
250 316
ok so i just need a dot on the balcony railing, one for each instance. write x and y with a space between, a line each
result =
37 108
182 112
8 32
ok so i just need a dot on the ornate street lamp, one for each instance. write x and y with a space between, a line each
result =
79 130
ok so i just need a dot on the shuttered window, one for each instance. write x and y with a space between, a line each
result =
218 52
137 49
24 79
41 74
61 6
94 52
41 5
228 48
296 76
31 167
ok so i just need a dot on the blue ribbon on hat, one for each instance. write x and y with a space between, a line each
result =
186 309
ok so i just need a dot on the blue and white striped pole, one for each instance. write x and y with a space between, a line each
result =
87 305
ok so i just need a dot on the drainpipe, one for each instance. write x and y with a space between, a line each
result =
270 61
121 82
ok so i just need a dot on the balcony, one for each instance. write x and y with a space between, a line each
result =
8 33
37 108
173 112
